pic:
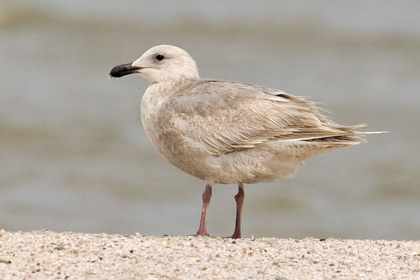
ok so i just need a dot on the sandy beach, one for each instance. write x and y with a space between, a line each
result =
51 255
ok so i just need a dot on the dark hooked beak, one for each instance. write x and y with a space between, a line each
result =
122 70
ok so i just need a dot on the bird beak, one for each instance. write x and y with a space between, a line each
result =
124 69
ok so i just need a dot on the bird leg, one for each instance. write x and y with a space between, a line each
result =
239 197
202 231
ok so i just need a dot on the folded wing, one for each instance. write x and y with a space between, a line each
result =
227 117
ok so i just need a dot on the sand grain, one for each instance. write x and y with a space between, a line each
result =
51 255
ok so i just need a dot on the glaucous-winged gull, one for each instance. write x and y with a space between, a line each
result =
226 132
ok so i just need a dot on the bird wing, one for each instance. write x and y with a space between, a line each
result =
227 116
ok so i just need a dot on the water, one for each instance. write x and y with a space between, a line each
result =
73 155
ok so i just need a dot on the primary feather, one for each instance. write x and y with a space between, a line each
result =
227 120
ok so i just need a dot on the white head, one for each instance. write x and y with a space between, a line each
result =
164 63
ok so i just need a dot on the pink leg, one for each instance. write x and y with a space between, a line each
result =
239 197
202 231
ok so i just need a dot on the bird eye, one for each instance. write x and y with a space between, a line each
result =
159 57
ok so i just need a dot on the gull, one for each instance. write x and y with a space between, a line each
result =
225 132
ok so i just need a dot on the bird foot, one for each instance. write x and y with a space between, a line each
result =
205 233
236 236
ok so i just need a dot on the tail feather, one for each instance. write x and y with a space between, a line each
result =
346 136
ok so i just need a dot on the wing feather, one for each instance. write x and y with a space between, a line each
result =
227 117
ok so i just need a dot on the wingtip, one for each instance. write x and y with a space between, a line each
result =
367 132
376 132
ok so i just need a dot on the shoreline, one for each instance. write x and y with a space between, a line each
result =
52 255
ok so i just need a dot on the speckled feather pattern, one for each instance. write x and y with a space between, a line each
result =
227 132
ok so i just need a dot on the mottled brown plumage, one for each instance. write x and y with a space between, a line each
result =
226 132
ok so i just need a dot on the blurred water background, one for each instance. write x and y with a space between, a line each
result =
74 157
